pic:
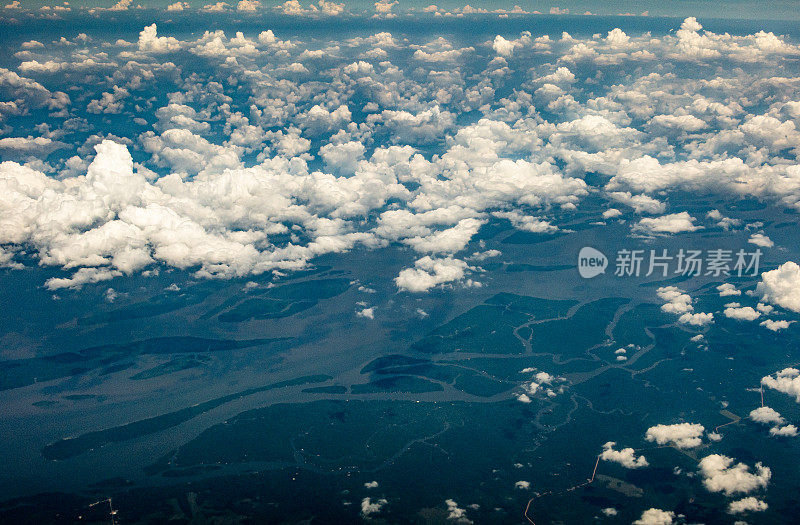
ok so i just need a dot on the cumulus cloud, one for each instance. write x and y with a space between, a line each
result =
764 308
696 319
726 223
741 313
783 431
786 381
41 146
625 457
677 302
673 223
109 102
384 6
451 240
504 47
367 313
776 325
781 286
370 507
759 239
656 517
319 119
323 7
640 203
26 94
680 303
543 383
424 127
150 42
455 513
248 5
81 277
748 504
112 218
766 415
121 5
216 8
721 474
526 222
678 122
255 158
331 8
681 435
343 157
429 272
728 289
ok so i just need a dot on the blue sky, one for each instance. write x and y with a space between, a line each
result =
732 9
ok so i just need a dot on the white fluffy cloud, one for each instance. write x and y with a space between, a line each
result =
696 319
29 145
656 517
748 504
759 239
680 303
279 190
625 457
540 383
766 415
786 381
502 46
673 223
236 149
640 203
769 416
367 313
677 302
727 289
429 272
370 507
526 223
721 474
456 513
81 277
150 42
776 325
681 435
451 240
114 217
783 431
781 286
248 5
741 313
26 93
